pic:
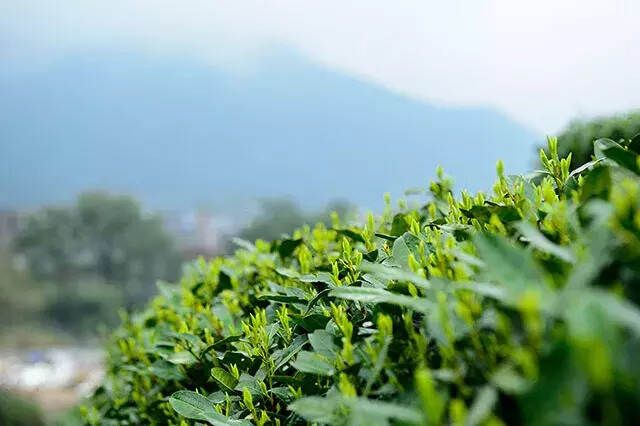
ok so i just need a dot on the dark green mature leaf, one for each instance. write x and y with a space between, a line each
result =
596 183
534 322
606 148
316 299
224 280
381 272
323 344
282 392
315 409
286 272
220 344
539 241
225 380
282 298
310 322
399 225
166 370
402 247
372 256
378 295
219 396
322 410
283 356
238 358
483 213
385 410
482 405
354 235
618 309
377 366
509 381
190 404
198 373
584 167
249 382
375 281
286 247
322 277
391 238
183 357
197 407
509 264
190 339
288 380
543 403
310 362
634 144
467 258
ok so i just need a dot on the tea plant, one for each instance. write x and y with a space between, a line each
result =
579 135
517 306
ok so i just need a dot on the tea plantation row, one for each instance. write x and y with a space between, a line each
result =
518 306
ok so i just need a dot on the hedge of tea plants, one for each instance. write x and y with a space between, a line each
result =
515 306
577 138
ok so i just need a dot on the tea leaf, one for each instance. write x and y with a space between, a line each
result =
226 381
310 362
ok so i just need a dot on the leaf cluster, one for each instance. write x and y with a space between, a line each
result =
516 306
577 138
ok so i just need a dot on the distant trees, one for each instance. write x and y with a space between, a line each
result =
280 216
81 263
579 135
95 256
16 411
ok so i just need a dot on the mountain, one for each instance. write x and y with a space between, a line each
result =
177 132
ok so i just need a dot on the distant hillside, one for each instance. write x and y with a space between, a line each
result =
177 132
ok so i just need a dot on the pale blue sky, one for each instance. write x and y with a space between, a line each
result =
542 62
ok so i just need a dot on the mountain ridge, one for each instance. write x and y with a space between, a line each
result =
177 132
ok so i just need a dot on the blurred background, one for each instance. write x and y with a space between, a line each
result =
138 135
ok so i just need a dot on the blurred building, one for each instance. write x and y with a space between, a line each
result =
10 222
197 232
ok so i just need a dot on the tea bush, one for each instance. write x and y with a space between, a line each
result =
16 411
510 307
579 135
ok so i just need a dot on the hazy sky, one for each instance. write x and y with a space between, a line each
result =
542 62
